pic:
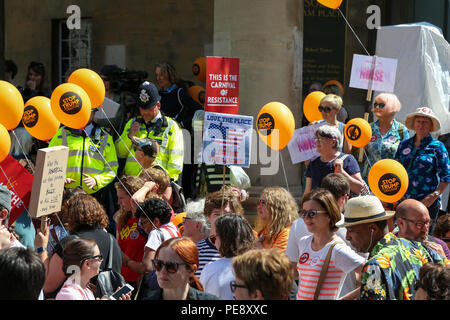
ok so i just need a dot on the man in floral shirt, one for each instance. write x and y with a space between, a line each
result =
394 263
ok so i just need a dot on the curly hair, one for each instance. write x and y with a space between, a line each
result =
435 280
214 201
235 233
155 208
283 211
130 185
84 210
442 226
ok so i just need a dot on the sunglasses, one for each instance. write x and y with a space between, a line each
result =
234 285
171 267
310 213
380 105
325 109
98 257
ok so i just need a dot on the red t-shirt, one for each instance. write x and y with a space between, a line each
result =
132 243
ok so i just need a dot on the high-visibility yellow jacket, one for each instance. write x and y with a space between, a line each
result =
171 146
94 156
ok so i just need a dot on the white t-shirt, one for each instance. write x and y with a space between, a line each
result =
343 260
168 230
216 277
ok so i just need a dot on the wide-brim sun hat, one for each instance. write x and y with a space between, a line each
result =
364 209
423 112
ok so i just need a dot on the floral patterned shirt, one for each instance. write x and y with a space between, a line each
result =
383 147
426 165
393 268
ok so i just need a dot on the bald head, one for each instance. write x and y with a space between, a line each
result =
413 220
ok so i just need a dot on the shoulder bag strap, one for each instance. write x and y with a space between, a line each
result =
324 270
110 255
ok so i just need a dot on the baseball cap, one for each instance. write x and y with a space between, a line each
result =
148 95
147 145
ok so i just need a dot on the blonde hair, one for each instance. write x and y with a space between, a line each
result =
332 99
283 210
391 100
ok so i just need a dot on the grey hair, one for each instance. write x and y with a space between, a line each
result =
331 132
195 211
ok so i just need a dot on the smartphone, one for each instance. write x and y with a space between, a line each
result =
124 290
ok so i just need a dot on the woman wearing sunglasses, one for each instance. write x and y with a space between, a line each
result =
320 213
387 133
81 262
277 211
328 142
329 108
175 263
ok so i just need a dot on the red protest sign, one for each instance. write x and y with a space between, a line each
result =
222 85
19 181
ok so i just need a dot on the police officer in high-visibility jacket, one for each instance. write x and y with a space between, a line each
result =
92 162
152 124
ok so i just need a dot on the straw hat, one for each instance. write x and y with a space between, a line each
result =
422 112
365 209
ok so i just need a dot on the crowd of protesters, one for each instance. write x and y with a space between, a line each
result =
125 211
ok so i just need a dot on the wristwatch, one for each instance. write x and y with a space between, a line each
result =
436 193
40 250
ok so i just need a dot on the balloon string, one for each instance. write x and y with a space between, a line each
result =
14 189
367 157
23 151
129 151
284 171
354 32
124 187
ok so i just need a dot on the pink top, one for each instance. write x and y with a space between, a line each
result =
73 291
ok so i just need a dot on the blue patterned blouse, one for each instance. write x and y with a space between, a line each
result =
383 147
427 165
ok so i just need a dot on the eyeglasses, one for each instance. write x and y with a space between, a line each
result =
171 267
98 257
380 105
445 239
310 213
325 109
234 285
419 224
186 218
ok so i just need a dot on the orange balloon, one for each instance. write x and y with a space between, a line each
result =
332 4
11 105
39 119
5 143
90 82
178 221
311 106
335 82
199 69
198 94
358 132
275 117
71 105
388 180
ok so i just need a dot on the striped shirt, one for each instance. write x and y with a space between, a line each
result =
207 253
158 236
343 260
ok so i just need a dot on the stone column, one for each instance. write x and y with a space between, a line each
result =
267 36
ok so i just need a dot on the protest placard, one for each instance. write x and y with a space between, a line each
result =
302 146
222 85
381 71
19 181
48 184
227 139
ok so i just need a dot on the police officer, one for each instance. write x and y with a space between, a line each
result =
92 162
152 124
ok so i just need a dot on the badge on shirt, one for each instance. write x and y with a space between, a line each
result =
134 234
374 138
304 258
406 151
92 149
392 139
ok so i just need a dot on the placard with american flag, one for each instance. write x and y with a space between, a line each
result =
227 139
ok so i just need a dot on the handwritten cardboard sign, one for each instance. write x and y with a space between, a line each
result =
302 146
48 183
380 71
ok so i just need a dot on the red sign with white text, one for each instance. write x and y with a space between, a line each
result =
222 85
19 181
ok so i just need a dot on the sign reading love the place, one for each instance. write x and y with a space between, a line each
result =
373 73
222 85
